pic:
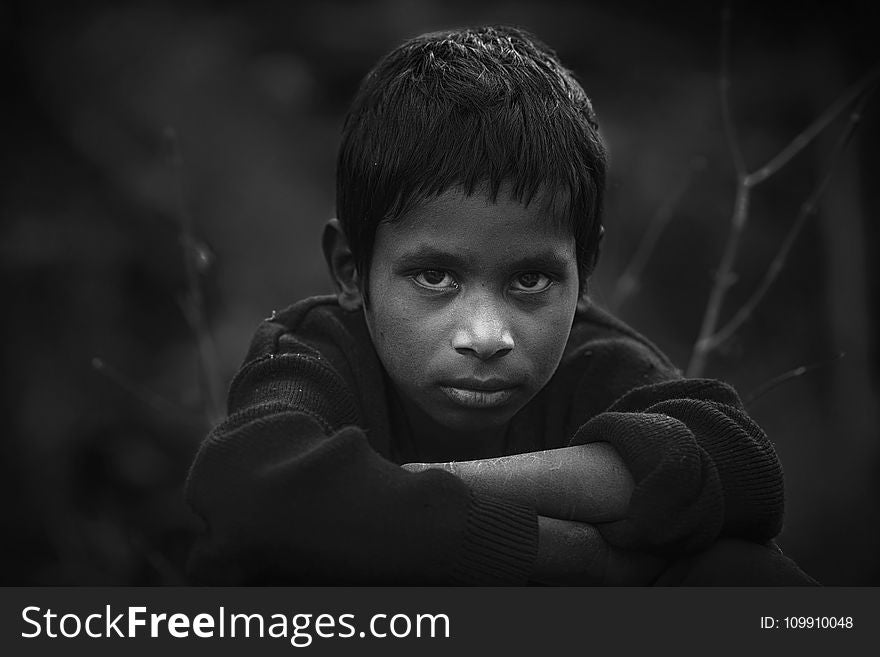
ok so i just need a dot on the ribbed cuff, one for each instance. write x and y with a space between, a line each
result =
678 503
500 543
750 475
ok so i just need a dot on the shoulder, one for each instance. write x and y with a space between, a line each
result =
313 356
315 324
605 359
315 328
595 331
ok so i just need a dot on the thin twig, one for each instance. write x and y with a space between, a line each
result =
806 210
814 129
170 574
724 278
724 88
196 258
776 381
162 406
628 282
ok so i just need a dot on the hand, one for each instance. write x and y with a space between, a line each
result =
575 554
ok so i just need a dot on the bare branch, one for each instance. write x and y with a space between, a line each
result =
154 401
776 381
806 210
707 339
724 88
628 282
197 257
724 278
814 129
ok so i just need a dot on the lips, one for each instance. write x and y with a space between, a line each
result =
479 393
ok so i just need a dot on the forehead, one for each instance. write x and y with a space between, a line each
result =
477 229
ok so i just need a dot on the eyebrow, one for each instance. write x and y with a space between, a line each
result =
424 255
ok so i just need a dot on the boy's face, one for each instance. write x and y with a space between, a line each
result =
471 305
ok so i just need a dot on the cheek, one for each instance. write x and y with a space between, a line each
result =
549 339
399 333
548 335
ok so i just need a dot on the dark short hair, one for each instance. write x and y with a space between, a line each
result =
475 109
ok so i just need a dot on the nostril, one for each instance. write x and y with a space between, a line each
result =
483 334
484 352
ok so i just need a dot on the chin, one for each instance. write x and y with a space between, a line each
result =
475 421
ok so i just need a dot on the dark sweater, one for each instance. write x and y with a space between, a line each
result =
301 482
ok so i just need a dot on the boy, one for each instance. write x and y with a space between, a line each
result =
459 412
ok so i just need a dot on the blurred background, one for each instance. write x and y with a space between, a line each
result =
147 146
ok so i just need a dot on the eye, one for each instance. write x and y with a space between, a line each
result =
435 279
531 281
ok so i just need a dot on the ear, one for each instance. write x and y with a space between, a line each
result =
598 249
341 264
584 300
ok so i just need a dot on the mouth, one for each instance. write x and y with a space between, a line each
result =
479 394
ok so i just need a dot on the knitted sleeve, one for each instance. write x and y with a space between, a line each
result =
290 491
703 469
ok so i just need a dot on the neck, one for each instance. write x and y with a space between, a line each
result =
434 443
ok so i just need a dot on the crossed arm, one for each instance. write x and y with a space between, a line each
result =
573 489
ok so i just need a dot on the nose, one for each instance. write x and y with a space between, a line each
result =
483 331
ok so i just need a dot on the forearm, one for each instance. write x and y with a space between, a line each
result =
587 483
